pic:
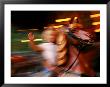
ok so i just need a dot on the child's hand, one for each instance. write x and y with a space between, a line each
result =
31 36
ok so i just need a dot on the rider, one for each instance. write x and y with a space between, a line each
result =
48 48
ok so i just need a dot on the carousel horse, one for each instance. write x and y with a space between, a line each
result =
77 52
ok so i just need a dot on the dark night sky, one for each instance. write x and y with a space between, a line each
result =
32 19
40 19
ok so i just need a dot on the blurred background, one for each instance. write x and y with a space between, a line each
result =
22 22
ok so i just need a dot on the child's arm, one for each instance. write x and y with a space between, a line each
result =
32 44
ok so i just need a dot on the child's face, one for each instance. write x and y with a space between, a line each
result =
51 36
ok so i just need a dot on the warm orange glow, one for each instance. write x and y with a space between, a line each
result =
94 15
97 30
26 30
75 17
33 29
61 20
95 23
28 40
58 26
20 30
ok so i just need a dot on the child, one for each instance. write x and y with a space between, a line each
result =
48 48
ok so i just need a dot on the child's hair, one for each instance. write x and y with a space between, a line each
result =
45 33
